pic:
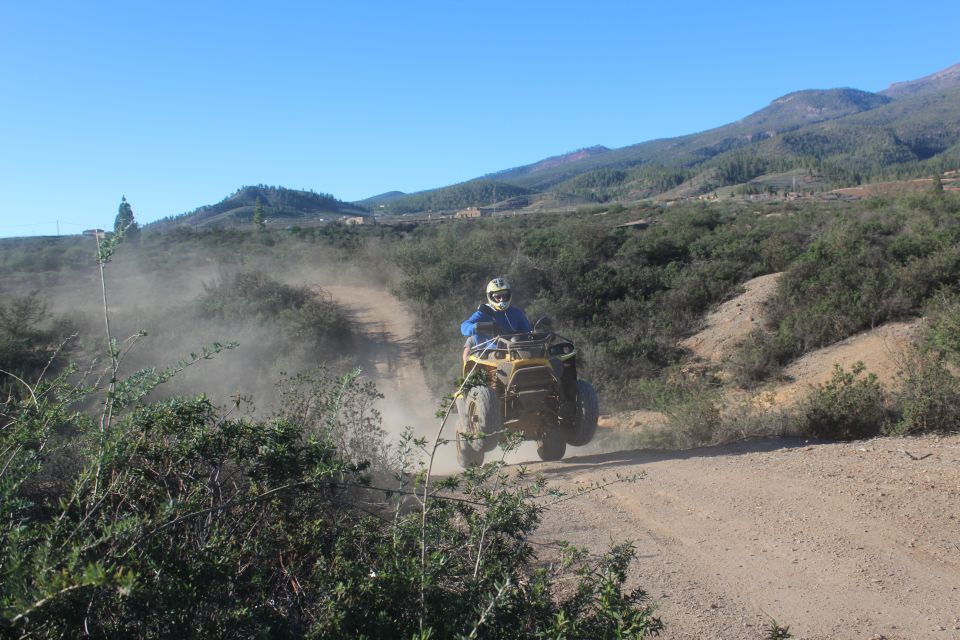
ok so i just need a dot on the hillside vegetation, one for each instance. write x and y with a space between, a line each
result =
147 470
277 203
627 295
477 193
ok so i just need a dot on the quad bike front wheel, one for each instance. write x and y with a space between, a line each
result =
482 422
479 426
584 426
466 455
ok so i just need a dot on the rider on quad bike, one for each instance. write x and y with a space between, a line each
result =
498 310
529 384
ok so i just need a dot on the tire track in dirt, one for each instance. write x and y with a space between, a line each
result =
853 540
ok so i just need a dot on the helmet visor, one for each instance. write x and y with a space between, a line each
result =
500 296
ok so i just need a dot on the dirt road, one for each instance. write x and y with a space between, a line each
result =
852 540
398 374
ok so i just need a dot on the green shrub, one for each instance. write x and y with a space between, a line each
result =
31 340
761 357
748 419
181 520
695 420
942 331
339 410
847 407
308 315
864 269
775 631
929 398
695 423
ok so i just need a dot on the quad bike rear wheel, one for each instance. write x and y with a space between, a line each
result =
584 427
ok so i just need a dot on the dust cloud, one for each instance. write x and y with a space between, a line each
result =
162 293
161 290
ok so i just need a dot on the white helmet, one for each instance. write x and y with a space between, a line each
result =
498 293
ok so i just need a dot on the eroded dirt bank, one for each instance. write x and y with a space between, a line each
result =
851 540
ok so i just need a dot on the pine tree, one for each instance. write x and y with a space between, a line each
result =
937 187
125 224
259 220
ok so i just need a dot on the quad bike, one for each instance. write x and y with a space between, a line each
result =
531 388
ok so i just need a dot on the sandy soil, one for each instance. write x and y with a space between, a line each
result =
725 328
853 540
882 350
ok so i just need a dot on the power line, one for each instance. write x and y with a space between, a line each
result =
50 223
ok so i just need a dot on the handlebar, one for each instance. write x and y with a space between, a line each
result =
525 340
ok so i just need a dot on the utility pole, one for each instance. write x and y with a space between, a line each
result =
58 228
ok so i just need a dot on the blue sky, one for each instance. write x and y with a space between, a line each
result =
177 104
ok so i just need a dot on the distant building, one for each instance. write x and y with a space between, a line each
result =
94 233
469 212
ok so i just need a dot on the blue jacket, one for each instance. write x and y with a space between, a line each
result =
513 320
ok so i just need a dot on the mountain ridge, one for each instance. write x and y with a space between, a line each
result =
938 80
922 109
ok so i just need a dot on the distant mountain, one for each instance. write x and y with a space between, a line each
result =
848 134
842 137
787 113
945 79
916 127
810 126
278 203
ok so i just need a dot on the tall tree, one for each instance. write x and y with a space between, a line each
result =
125 224
259 218
937 186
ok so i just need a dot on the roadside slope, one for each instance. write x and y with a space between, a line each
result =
727 326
